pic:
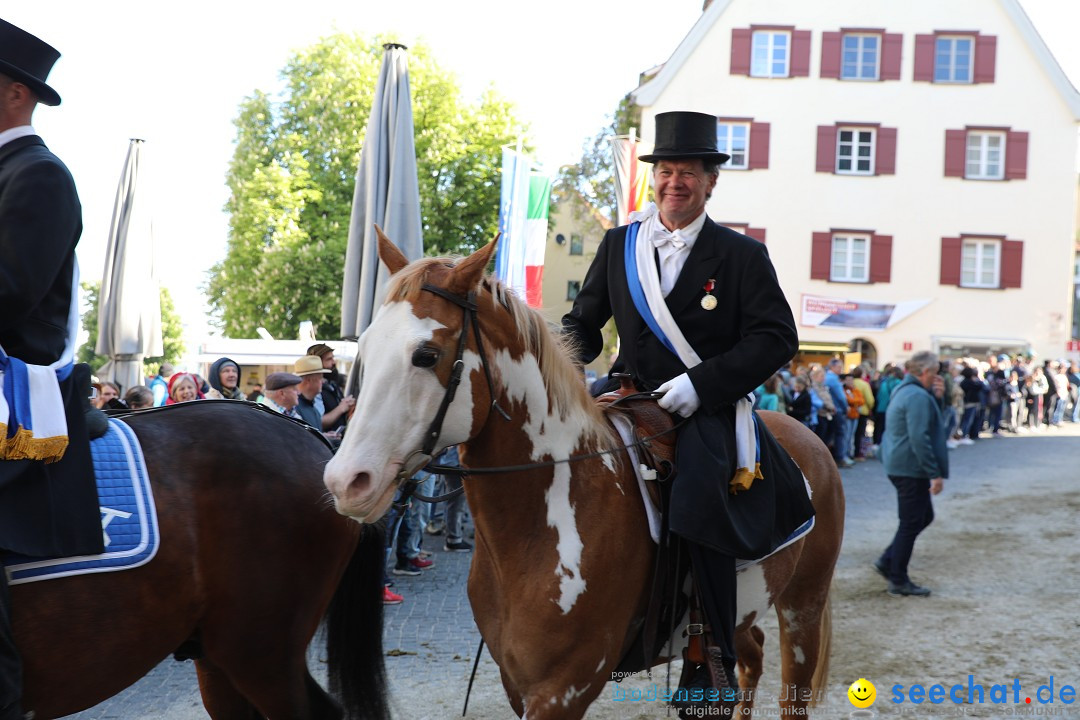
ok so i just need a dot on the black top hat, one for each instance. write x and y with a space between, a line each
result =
27 59
685 135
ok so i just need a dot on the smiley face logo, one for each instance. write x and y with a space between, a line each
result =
862 693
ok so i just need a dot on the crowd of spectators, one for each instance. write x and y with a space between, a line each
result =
984 397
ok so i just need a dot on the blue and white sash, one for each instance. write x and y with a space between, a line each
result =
643 281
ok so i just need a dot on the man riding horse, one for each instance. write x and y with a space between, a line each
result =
702 321
45 509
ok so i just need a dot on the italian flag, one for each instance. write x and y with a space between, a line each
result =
536 225
523 216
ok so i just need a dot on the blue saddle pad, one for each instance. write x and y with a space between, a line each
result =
128 516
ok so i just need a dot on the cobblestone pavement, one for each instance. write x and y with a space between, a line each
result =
431 639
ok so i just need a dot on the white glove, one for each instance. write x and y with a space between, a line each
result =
679 396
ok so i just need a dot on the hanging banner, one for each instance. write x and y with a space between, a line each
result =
821 311
631 176
523 217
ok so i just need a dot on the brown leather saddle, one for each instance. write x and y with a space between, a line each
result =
653 429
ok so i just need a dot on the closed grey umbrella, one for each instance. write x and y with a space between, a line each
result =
129 306
387 194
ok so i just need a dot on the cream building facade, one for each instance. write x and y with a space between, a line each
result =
910 166
574 234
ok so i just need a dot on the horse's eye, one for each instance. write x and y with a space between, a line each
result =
425 356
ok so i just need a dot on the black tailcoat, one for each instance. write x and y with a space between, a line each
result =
44 509
746 338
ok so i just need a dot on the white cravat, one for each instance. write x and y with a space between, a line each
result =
674 247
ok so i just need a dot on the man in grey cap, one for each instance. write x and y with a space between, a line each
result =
45 510
282 393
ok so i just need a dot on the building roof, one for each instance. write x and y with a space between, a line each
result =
649 92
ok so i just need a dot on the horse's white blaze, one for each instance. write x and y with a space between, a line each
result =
570 695
556 438
789 620
752 594
800 656
396 404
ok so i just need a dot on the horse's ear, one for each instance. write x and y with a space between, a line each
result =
389 252
468 272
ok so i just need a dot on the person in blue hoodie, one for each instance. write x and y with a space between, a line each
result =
917 463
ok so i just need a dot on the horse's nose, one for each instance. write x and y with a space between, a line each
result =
360 485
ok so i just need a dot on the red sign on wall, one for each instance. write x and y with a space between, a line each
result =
907 346
1072 346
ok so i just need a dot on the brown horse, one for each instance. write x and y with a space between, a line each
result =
563 552
251 557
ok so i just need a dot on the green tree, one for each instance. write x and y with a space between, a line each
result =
593 177
293 172
172 331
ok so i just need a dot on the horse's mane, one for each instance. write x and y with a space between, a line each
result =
553 352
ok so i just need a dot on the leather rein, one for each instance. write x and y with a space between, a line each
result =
405 477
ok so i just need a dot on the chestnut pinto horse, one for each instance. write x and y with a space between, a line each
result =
563 553
251 556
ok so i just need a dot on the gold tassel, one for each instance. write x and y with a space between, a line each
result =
24 446
743 479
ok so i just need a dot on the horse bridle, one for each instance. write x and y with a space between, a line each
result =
469 311
405 475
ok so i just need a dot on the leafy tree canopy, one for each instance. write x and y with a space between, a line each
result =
172 331
293 173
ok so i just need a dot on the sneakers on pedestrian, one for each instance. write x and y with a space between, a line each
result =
847 462
881 570
908 589
413 566
459 546
435 527
389 597
966 441
952 444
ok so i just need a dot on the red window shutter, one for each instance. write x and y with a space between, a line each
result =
756 233
740 51
955 152
880 258
759 146
800 53
1012 263
821 256
892 45
826 148
885 160
950 260
924 58
1016 154
831 48
985 58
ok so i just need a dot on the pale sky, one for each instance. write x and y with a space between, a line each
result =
175 74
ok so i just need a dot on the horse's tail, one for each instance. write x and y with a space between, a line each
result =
354 621
819 682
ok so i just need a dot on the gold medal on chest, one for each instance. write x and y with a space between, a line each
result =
709 300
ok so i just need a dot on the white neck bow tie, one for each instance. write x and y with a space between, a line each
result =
662 236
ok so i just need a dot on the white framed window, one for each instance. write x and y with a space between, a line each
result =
850 260
855 151
980 263
954 58
984 155
860 57
770 53
573 287
734 139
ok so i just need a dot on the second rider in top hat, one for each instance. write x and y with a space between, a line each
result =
708 325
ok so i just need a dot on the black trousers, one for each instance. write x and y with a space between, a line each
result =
10 663
916 512
714 573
